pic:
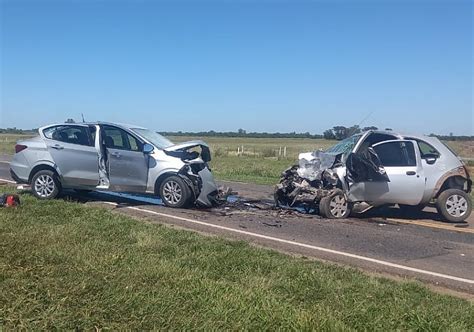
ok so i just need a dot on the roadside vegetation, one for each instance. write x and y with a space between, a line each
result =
67 266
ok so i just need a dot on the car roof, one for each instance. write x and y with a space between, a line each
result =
122 125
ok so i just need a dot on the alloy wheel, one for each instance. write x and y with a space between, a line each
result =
338 206
172 192
44 186
456 205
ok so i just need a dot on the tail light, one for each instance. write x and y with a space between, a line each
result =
19 148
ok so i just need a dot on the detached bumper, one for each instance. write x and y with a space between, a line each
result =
201 181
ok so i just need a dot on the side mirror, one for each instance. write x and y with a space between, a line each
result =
148 148
430 160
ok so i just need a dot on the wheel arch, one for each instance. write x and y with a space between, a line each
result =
41 167
160 180
457 181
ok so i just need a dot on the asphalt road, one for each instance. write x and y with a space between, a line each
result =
413 247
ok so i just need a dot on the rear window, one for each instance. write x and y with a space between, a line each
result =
69 134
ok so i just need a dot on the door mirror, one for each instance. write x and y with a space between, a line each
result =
430 158
148 148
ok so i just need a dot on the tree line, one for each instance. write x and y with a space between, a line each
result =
334 133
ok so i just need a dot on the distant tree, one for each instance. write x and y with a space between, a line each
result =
388 129
70 121
353 130
329 134
340 132
370 128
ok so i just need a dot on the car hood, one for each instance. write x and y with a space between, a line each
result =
184 150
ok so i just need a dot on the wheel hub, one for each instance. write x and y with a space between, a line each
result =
44 185
456 205
338 206
172 192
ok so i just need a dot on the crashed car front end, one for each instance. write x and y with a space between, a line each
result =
320 175
317 175
196 172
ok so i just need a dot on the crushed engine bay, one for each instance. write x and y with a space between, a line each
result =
304 185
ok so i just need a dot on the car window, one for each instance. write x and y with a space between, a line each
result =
69 134
115 138
396 154
426 150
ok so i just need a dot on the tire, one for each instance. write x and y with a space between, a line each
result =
335 206
454 205
174 192
45 185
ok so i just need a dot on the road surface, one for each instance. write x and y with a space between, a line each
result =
383 242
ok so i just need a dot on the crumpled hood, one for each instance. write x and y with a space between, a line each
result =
313 164
183 150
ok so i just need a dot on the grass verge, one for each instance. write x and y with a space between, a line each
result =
66 266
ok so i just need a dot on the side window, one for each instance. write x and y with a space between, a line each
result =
115 138
427 151
69 134
396 154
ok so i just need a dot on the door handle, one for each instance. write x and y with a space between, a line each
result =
57 147
116 154
411 173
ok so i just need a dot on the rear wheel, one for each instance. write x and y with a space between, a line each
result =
45 185
335 206
175 192
454 205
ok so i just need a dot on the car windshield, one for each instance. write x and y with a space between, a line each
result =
154 138
344 146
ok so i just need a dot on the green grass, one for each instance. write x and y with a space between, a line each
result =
67 266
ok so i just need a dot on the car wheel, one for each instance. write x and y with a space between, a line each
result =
335 206
174 192
454 205
45 185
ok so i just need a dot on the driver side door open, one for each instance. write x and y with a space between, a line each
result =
126 163
406 181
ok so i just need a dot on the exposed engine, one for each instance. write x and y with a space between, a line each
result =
304 185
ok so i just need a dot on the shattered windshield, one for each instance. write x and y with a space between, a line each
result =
154 138
344 146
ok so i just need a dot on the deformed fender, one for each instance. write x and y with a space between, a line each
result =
458 171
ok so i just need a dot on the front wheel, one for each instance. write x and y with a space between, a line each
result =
45 185
454 205
335 206
174 192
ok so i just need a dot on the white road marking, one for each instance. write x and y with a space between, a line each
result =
7 181
298 244
303 245
4 162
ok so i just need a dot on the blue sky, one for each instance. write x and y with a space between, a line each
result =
223 65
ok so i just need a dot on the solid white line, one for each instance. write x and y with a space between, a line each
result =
303 245
4 162
7 181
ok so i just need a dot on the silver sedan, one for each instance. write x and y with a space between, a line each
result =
114 157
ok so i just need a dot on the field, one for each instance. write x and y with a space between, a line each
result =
86 268
255 160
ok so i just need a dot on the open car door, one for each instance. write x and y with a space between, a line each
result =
400 178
